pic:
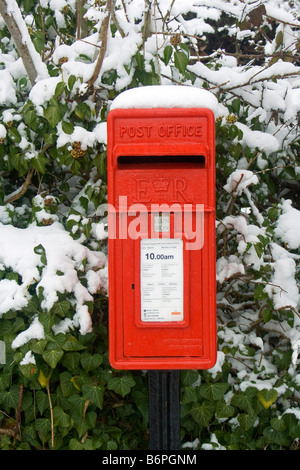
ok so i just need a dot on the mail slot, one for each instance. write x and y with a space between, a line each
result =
161 238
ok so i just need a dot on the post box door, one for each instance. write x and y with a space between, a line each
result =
157 277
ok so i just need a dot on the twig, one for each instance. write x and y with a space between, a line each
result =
32 61
51 414
18 414
78 26
23 190
103 35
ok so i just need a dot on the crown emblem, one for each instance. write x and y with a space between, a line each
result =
161 183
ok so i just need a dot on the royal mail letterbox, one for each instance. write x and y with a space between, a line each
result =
161 229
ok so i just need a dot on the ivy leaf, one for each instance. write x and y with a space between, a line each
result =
74 444
243 401
267 397
52 356
72 344
190 395
61 418
42 401
90 362
213 391
61 308
275 436
67 386
223 410
10 398
202 413
43 426
94 393
247 420
121 385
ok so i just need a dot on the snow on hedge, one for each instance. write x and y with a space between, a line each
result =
48 256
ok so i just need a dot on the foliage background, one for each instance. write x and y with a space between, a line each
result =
61 65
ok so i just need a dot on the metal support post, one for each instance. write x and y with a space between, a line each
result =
164 409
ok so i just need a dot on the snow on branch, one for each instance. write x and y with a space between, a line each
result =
32 61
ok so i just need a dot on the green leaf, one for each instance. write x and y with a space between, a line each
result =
66 384
72 344
213 391
39 41
202 413
39 346
71 81
243 401
223 410
10 398
67 127
52 114
267 397
15 134
278 424
168 51
247 421
39 163
43 426
61 418
267 314
189 377
30 118
90 362
121 385
276 437
52 356
42 401
181 60
61 308
59 89
40 250
94 393
75 445
190 395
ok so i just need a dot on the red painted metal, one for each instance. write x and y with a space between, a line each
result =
161 169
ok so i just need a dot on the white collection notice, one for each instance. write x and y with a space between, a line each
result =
161 280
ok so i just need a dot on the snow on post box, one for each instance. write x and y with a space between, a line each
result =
161 229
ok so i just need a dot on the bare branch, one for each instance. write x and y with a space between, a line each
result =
103 36
32 61
23 190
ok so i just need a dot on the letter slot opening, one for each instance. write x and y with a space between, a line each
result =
190 161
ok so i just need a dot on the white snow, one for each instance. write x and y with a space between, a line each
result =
284 289
239 180
40 66
35 331
65 258
28 359
227 268
77 272
166 96
257 139
288 227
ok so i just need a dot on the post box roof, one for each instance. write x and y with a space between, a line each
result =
166 96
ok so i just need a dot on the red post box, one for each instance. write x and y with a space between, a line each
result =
161 238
